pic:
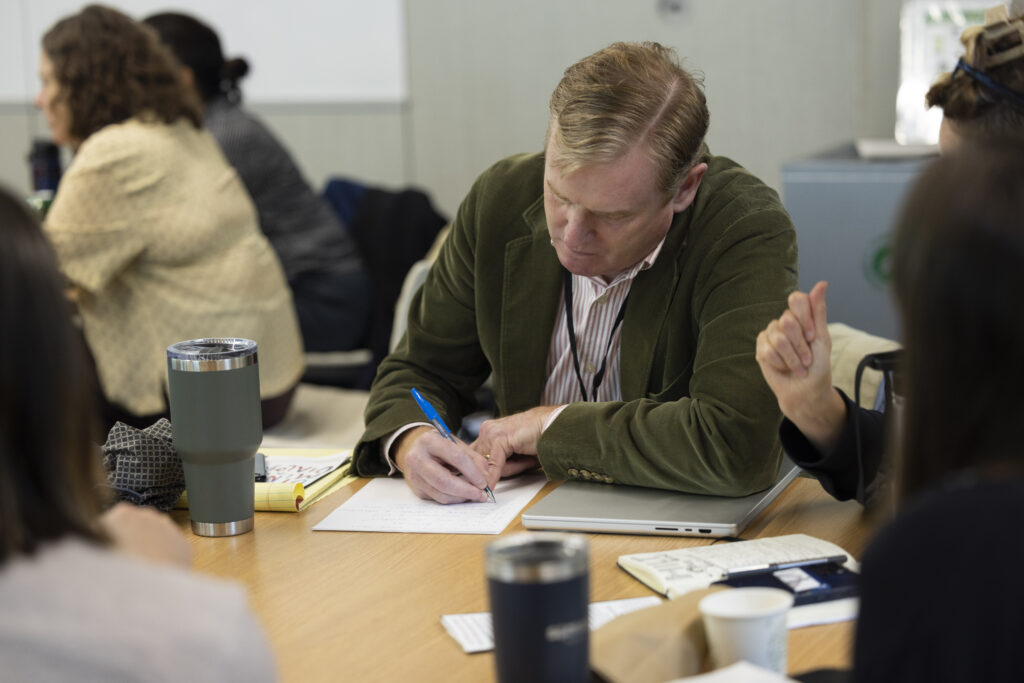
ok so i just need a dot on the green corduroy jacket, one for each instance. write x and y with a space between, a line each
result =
695 415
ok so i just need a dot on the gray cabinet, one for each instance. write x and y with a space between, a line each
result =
844 209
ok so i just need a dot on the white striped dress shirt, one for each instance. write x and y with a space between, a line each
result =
595 306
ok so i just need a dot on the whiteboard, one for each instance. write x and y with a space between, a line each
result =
298 50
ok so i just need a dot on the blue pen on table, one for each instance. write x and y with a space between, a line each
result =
441 427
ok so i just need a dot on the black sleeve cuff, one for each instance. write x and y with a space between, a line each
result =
836 469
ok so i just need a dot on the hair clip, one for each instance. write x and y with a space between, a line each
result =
981 77
996 34
997 28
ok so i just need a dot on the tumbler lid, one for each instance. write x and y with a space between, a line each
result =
211 353
538 558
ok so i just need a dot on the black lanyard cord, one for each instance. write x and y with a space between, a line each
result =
567 281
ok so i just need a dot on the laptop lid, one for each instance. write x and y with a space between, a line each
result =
613 508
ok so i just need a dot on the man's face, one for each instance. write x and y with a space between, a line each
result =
604 218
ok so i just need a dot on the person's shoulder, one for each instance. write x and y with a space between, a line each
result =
976 514
135 139
526 168
725 173
141 128
963 495
514 182
729 193
156 613
111 143
104 165
92 557
233 124
78 571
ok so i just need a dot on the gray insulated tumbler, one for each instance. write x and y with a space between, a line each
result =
214 387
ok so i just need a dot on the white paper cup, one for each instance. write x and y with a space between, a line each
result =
747 624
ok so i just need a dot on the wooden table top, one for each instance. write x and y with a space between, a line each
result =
368 606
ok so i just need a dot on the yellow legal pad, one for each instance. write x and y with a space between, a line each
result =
293 496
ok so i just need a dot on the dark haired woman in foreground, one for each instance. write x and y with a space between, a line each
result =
88 597
941 592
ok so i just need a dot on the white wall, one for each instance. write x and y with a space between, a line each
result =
781 77
784 78
354 61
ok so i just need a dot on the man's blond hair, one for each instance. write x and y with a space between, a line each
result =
625 94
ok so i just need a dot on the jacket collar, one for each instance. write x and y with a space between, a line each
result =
530 292
647 311
531 288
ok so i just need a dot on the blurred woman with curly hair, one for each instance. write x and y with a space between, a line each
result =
153 229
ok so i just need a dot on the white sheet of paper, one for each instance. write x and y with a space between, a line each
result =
387 504
474 633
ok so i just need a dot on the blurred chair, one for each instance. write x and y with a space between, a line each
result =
849 346
330 416
393 230
413 279
320 417
346 369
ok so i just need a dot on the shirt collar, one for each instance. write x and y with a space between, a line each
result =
629 273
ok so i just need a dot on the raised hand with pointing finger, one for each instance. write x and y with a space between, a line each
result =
794 352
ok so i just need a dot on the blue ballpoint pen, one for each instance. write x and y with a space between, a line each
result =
435 419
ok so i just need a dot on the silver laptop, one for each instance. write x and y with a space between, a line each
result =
612 508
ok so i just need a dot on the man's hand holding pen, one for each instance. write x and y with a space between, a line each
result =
439 467
432 466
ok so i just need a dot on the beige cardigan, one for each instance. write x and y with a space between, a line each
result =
155 229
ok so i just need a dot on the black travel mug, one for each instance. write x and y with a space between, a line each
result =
540 598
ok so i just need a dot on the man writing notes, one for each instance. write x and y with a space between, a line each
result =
615 285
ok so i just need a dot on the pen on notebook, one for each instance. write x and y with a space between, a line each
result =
435 419
775 566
